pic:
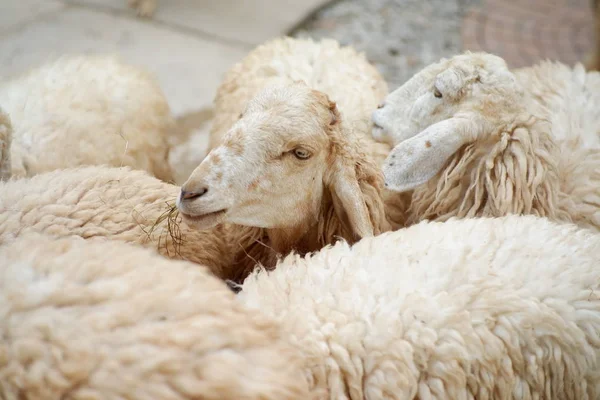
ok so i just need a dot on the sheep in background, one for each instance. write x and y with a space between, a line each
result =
470 308
291 169
87 110
97 320
116 204
5 145
341 73
472 141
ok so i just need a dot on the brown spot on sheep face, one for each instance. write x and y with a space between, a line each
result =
235 145
219 176
428 144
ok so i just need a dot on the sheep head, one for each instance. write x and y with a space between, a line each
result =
278 162
5 146
442 108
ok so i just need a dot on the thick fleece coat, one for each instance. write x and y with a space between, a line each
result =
87 110
106 320
112 203
482 308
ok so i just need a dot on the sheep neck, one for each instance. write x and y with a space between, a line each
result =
285 240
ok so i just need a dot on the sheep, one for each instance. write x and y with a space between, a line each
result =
476 308
87 110
342 73
292 170
472 141
144 8
117 204
5 146
97 320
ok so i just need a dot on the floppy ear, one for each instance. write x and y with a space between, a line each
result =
418 159
345 186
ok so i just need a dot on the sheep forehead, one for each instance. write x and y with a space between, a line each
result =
452 74
281 114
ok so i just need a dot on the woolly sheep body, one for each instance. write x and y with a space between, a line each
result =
87 110
569 96
342 73
473 308
97 320
113 203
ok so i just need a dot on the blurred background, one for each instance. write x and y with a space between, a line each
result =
189 44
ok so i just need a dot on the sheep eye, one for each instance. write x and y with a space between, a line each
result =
437 93
301 153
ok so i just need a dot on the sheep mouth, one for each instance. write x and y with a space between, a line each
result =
205 221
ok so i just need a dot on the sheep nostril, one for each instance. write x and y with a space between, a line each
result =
193 195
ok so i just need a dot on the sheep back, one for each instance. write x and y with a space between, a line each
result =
87 110
470 308
98 320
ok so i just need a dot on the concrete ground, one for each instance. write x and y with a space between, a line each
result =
403 36
189 44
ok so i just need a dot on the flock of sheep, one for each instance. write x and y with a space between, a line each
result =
338 241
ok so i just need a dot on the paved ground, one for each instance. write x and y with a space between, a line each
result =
188 44
525 31
403 36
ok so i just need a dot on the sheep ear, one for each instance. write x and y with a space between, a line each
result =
418 159
345 186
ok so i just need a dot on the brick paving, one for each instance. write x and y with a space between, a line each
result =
526 31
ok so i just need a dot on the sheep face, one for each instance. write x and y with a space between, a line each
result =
273 166
443 107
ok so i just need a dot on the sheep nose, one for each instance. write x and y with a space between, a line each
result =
193 195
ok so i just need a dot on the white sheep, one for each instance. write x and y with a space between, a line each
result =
340 72
473 140
106 320
292 169
481 308
87 110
